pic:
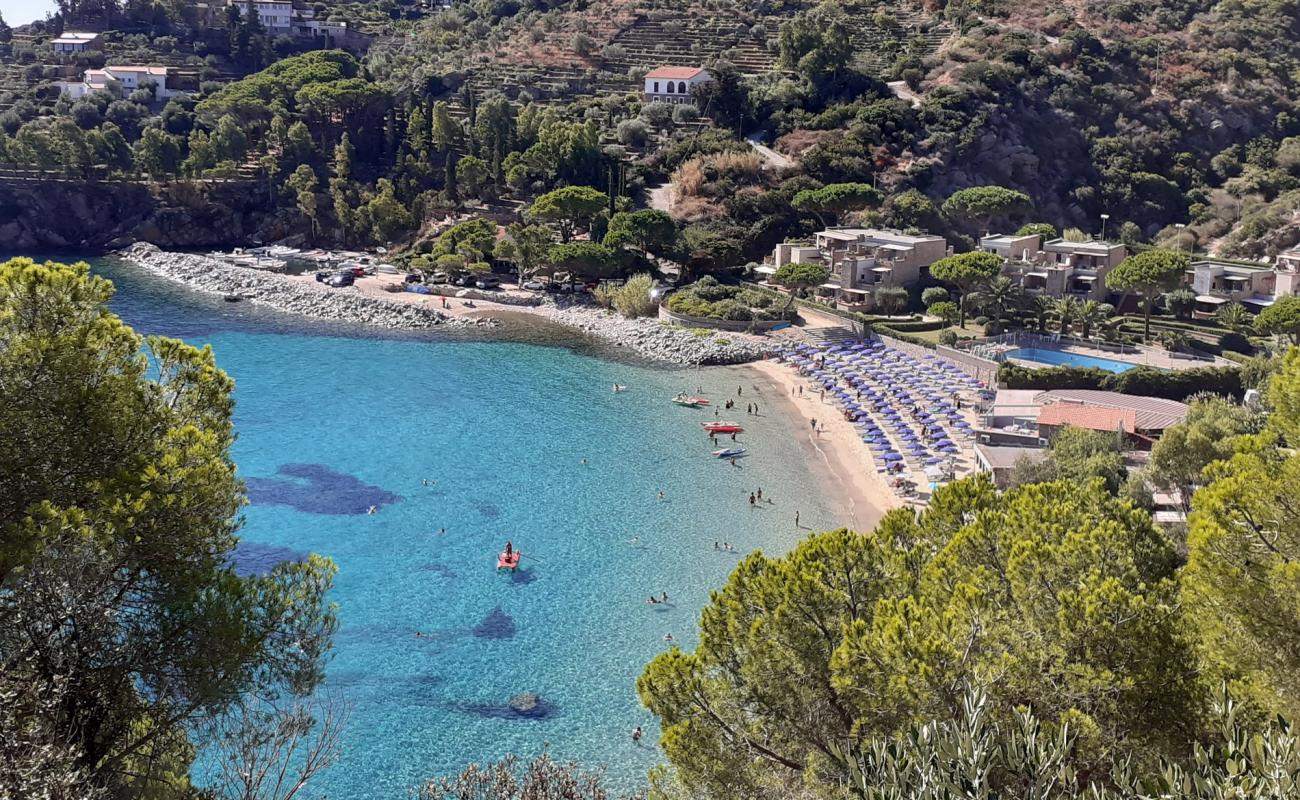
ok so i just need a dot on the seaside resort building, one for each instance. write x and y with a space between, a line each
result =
1255 286
1056 268
861 260
129 78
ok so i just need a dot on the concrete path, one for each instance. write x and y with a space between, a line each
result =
903 92
774 158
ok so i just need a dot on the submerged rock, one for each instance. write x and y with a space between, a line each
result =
526 703
496 625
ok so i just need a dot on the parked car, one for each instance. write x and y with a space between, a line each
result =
340 280
414 278
437 278
322 276
536 286
488 282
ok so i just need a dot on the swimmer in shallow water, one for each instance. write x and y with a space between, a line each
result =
372 509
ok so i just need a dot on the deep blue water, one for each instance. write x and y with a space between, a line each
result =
330 425
1061 358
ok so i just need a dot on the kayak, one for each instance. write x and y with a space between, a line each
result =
686 401
510 562
722 427
730 452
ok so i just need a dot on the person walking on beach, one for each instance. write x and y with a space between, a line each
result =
751 500
796 519
760 493
756 409
814 424
739 390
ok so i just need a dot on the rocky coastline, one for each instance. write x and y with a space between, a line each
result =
648 338
208 275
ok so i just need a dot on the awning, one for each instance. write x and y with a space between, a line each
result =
1263 302
1042 275
1235 278
1205 298
1085 278
882 269
830 286
765 270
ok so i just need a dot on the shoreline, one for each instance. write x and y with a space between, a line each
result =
367 303
836 456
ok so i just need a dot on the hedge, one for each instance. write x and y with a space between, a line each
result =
916 327
885 330
1145 381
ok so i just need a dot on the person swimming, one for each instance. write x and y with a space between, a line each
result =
636 735
668 637
510 549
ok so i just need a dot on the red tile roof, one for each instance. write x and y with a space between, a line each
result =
1093 417
1153 413
676 73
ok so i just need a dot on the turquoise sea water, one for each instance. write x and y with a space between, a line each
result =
329 424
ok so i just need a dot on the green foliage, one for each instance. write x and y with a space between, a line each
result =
854 635
119 483
1044 229
1208 434
1243 545
473 239
800 276
1281 318
966 270
1149 273
833 201
255 97
1078 456
586 260
981 204
1142 381
946 311
633 298
651 231
891 300
568 208
933 294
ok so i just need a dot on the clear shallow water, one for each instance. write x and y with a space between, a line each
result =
1060 358
329 425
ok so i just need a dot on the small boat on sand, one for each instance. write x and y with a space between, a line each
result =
729 452
508 561
721 427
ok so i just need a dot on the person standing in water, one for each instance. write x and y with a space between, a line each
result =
636 735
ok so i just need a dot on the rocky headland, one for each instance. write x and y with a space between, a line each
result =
648 338
284 294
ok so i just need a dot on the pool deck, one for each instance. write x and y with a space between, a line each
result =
1145 357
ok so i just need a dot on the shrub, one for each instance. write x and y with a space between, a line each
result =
1144 381
948 338
1236 342
633 299
934 294
685 113
633 132
732 310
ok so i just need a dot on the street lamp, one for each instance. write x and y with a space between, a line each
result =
1104 217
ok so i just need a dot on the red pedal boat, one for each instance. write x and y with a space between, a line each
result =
722 427
508 561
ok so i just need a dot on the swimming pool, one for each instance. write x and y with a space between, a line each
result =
1058 358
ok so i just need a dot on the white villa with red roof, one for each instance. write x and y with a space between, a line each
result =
129 78
673 84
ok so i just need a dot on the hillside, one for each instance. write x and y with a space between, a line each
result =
1176 118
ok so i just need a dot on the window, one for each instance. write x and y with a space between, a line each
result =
670 87
681 87
656 87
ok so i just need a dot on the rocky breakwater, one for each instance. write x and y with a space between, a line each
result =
285 294
655 340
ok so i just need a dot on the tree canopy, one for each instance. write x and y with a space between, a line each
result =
981 204
1281 318
854 635
967 270
568 208
833 201
1149 273
800 276
117 525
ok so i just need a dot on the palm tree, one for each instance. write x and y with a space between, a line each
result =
1091 314
1065 309
1042 308
999 297
1234 317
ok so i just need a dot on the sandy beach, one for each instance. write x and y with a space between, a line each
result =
836 455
